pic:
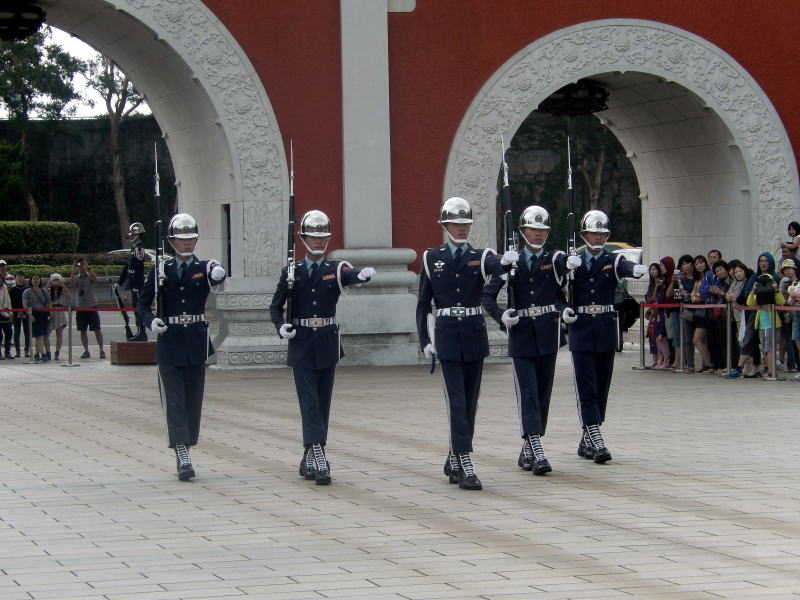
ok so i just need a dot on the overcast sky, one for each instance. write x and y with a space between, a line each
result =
85 52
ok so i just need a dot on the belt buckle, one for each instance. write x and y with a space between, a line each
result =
458 311
315 322
594 309
535 311
185 319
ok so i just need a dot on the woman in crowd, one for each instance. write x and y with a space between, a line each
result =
749 356
713 292
656 330
787 354
686 284
37 299
700 337
59 298
763 320
671 319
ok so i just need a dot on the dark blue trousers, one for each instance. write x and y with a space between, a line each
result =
314 392
592 381
182 401
533 380
462 386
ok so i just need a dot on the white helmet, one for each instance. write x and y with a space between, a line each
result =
595 221
455 210
315 223
182 227
534 217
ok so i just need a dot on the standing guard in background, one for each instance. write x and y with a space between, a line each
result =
131 277
534 328
452 277
313 334
183 344
593 329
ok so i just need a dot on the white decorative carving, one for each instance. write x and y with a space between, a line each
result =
565 56
245 115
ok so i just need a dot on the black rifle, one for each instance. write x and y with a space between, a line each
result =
508 225
121 305
571 249
290 242
160 278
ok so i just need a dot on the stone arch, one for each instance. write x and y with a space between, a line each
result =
701 134
213 110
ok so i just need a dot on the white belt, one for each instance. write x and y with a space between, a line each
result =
537 311
595 309
459 311
186 319
315 321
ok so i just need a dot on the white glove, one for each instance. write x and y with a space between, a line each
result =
216 272
287 331
573 262
569 315
114 287
366 273
157 326
509 318
509 258
429 351
639 270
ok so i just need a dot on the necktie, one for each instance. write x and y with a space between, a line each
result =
589 263
530 264
457 255
314 269
181 269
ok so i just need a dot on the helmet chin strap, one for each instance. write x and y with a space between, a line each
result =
594 246
454 240
315 252
184 254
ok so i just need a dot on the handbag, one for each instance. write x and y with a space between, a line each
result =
688 314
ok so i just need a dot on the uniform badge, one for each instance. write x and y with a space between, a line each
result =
473 263
139 253
606 267
438 264
545 267
198 275
329 276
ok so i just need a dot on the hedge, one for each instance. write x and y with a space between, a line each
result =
45 270
29 237
64 259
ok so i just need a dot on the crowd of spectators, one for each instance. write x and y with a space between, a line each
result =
38 298
755 346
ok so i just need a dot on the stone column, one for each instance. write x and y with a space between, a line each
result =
377 319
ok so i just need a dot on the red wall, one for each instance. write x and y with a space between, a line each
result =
440 56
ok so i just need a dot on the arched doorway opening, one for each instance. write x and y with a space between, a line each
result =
713 161
229 161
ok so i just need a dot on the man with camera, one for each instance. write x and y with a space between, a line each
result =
82 282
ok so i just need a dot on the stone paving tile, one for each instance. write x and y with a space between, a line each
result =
90 506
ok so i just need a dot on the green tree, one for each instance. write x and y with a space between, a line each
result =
121 99
36 79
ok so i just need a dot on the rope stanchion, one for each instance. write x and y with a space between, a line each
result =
641 366
728 339
69 362
32 341
773 375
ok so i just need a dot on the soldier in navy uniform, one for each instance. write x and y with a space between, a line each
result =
313 334
131 277
534 327
452 278
593 329
183 339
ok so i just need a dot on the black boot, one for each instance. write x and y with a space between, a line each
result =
308 465
601 453
467 478
322 473
452 468
540 464
525 460
585 448
141 335
185 469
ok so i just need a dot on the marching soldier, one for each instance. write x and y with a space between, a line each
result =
313 334
183 339
131 277
534 328
593 329
452 277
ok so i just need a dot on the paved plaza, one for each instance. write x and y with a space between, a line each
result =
701 501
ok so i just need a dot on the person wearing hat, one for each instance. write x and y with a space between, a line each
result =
183 343
534 328
451 326
593 329
59 299
315 347
131 277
